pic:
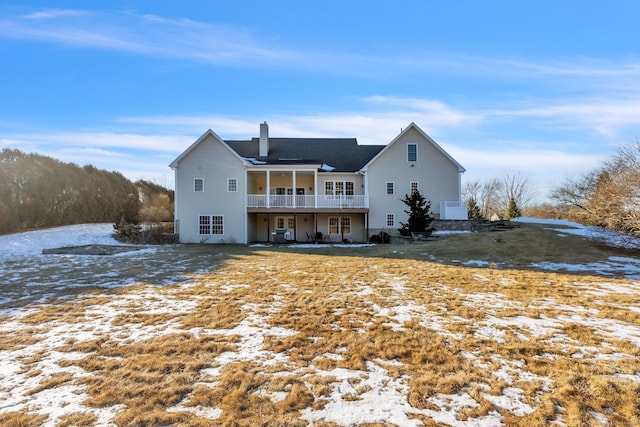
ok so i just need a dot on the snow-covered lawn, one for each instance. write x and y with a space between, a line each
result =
304 338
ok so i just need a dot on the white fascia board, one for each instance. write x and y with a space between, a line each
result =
461 169
174 164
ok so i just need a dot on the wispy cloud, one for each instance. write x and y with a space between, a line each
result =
146 145
218 44
55 13
604 116
145 34
98 140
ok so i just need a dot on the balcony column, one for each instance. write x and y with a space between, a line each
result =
294 189
267 187
315 190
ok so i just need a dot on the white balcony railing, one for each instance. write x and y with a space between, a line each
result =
453 210
317 201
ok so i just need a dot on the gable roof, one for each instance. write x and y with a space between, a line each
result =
174 164
412 125
334 154
340 154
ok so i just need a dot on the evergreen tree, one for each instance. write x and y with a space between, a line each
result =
473 210
420 216
513 211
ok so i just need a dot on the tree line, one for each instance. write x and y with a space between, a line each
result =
39 191
608 196
505 197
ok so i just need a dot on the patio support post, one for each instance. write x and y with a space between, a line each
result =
268 228
366 220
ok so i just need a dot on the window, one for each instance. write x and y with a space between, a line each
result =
414 187
335 223
211 224
328 188
217 222
391 220
412 152
232 185
198 184
339 188
348 188
286 222
205 224
346 225
390 188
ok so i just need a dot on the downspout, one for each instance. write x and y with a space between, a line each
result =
246 215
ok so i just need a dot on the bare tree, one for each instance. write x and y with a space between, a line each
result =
471 195
490 198
609 196
515 195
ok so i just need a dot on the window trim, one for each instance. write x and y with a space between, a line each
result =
340 225
287 221
215 226
195 188
393 188
339 188
206 223
412 144
235 183
209 222
393 220
411 190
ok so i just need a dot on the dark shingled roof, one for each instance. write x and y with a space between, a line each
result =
343 154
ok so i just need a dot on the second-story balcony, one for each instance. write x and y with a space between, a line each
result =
313 202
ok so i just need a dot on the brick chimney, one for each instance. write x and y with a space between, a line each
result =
264 139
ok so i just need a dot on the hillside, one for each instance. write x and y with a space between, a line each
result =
37 191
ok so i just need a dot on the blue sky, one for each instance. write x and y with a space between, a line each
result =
545 89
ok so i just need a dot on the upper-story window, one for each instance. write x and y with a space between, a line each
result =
339 188
412 152
390 188
232 185
198 184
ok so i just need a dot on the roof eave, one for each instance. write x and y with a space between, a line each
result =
174 165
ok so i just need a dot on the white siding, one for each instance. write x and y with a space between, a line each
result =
437 177
215 163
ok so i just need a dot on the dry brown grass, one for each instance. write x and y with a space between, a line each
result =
439 328
21 419
78 419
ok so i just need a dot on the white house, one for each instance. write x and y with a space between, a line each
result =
298 189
